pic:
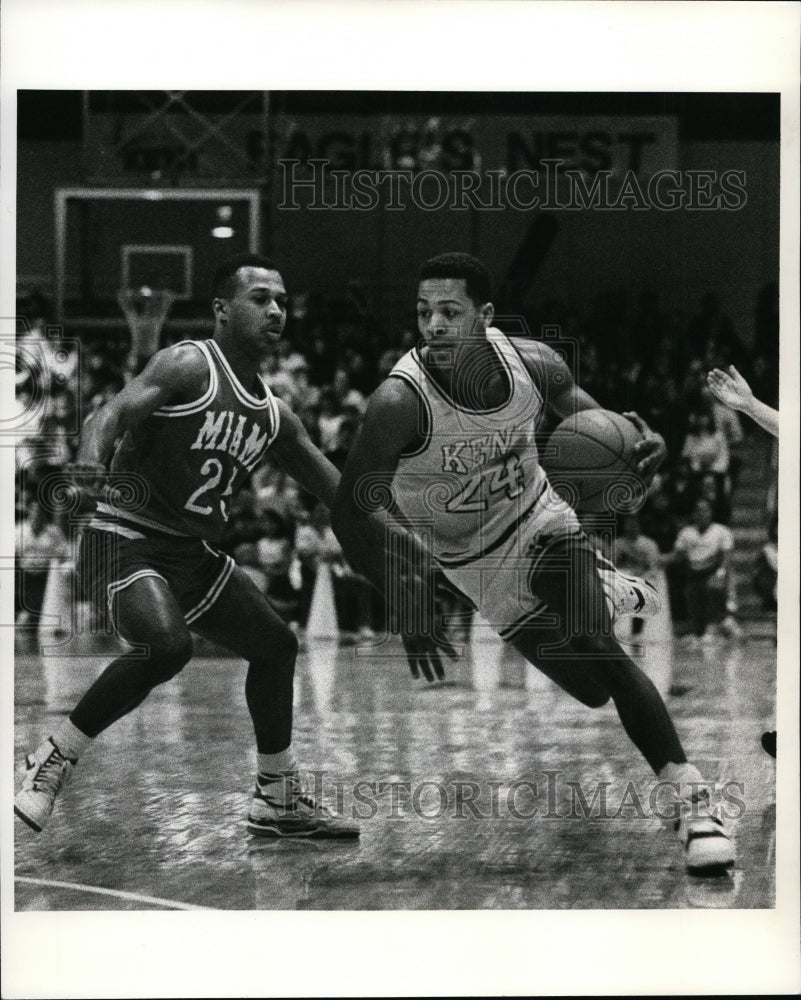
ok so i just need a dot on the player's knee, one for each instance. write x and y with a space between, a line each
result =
595 697
169 654
282 651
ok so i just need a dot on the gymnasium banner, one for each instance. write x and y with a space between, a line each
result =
168 145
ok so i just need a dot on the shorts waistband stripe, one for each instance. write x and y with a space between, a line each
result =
511 630
110 515
118 585
505 535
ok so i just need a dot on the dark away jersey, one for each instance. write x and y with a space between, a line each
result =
184 463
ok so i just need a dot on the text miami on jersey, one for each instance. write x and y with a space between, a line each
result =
192 458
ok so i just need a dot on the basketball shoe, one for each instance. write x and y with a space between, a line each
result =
698 823
704 837
281 808
47 770
627 595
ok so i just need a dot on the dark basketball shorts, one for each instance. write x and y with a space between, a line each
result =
110 560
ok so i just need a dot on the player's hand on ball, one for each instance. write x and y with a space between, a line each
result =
650 452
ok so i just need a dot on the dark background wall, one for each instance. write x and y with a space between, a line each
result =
679 255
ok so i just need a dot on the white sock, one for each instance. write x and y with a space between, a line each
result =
70 741
686 776
277 763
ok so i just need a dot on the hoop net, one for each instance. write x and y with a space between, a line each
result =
145 311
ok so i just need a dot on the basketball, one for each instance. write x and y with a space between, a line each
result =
589 460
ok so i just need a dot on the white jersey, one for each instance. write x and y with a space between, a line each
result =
473 476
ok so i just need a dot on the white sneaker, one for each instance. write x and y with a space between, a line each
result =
699 825
705 839
627 595
47 771
280 808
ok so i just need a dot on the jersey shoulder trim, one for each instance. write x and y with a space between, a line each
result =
186 409
422 374
509 347
425 424
275 412
244 397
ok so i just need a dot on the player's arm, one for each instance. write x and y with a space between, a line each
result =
563 397
178 373
561 394
364 517
733 390
361 514
297 455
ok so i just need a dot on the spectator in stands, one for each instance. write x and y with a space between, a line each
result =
346 393
662 517
322 357
282 385
330 419
712 333
304 394
706 449
766 576
346 435
309 415
316 544
704 548
271 485
727 421
682 492
638 555
276 551
709 487
244 526
39 539
704 445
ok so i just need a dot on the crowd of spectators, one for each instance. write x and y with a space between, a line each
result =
630 355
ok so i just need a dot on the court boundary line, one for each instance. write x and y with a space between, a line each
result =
100 891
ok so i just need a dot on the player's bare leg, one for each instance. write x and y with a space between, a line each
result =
581 655
242 620
147 615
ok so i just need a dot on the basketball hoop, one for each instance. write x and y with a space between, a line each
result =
145 310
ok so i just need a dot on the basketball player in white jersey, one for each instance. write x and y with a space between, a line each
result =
732 389
185 434
448 450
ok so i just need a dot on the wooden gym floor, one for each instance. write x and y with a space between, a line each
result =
468 789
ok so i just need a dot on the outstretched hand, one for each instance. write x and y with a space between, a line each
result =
419 628
730 388
423 654
649 452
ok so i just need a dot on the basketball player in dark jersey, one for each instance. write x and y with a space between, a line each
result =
180 440
448 449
